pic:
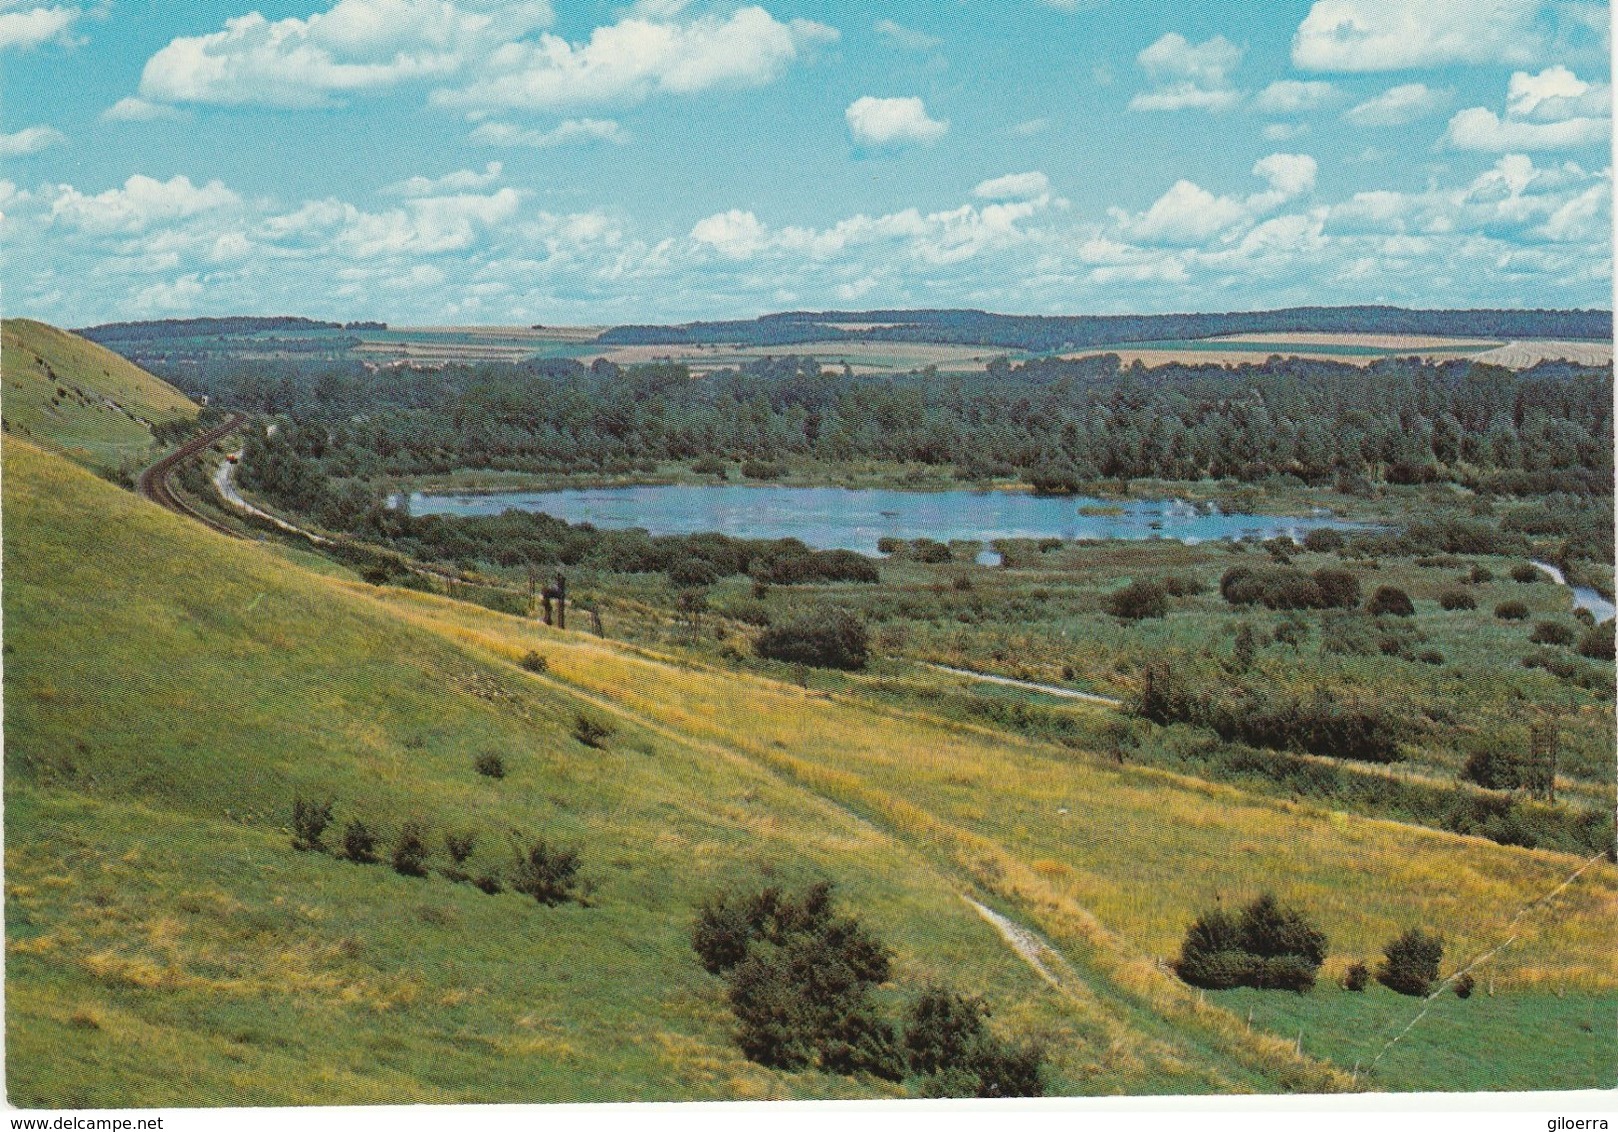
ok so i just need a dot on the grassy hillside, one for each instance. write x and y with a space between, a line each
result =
168 693
82 399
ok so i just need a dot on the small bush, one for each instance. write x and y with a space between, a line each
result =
410 852
1430 656
710 466
489 883
590 731
1481 575
1465 985
1551 633
828 639
762 470
1268 946
1454 600
1138 601
1323 540
535 662
1511 611
1181 585
490 765
1356 978
691 572
1525 574
930 551
1597 644
1339 589
1410 963
1273 587
459 846
547 873
359 843
1390 601
948 1045
309 822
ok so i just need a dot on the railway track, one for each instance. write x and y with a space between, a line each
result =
154 481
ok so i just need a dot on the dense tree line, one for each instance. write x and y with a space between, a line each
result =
1058 424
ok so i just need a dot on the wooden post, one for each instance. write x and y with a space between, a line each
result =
561 601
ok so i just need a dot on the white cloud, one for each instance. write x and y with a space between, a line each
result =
1556 94
1187 76
1398 106
1290 96
1014 186
1554 109
1186 215
140 204
1393 35
134 109
24 27
460 181
1285 131
30 140
892 121
355 46
1289 174
1481 129
734 234
631 60
573 131
1031 127
907 38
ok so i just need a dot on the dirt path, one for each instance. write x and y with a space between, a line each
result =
1048 689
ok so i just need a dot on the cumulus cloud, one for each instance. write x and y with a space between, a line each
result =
888 122
1398 106
1393 35
631 60
1290 96
354 47
140 204
460 181
1187 76
1014 186
134 109
1552 110
30 140
573 131
1190 216
24 26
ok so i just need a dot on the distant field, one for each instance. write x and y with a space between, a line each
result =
862 357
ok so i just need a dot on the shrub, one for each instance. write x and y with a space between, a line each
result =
1562 667
1597 644
1454 600
1551 633
1511 611
1465 985
1356 978
1390 601
691 572
1268 946
1181 585
1245 649
359 843
590 731
930 551
459 846
1339 589
534 662
1323 540
1430 656
1525 574
832 638
1410 963
547 873
1273 587
489 883
490 765
1481 575
410 852
309 822
887 544
761 470
947 1043
798 565
800 978
1138 600
709 466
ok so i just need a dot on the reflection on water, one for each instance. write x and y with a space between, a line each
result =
833 517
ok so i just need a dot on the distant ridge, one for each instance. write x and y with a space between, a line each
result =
200 327
1072 332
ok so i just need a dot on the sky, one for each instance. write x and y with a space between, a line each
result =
430 162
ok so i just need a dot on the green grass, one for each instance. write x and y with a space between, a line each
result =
81 399
169 692
1505 1043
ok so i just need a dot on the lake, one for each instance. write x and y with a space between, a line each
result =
855 519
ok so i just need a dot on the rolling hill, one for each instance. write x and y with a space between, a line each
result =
81 399
171 692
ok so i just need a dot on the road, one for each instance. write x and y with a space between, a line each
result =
154 481
1047 689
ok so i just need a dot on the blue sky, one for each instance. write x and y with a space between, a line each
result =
472 161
